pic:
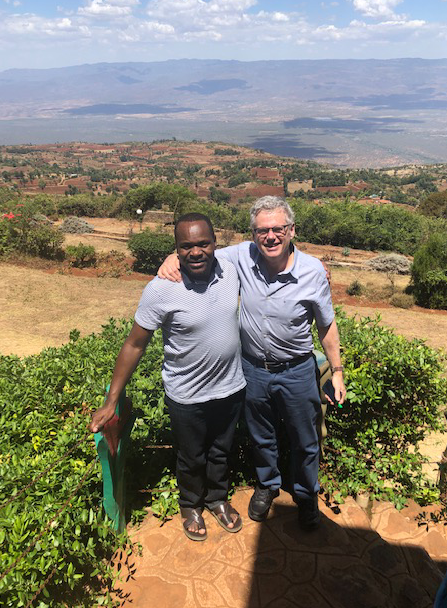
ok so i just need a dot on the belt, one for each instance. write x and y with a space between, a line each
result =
275 367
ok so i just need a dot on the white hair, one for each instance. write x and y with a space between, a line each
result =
271 203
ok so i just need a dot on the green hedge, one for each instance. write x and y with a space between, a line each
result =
375 227
395 395
44 413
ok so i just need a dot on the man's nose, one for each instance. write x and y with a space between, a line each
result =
196 252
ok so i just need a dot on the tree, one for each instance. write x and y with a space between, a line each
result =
219 196
435 204
429 273
154 196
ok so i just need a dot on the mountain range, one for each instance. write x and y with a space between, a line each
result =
347 112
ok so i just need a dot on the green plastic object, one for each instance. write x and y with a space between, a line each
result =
111 445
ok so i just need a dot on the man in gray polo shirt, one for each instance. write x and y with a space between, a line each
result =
202 372
282 291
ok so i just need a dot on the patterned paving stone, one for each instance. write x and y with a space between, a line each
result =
349 562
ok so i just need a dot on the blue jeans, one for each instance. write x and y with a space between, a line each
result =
293 396
203 435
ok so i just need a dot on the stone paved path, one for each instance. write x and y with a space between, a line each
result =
349 562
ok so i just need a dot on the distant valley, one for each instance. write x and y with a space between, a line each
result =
369 113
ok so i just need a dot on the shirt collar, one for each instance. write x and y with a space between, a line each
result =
216 273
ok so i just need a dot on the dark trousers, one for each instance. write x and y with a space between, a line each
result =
203 434
293 396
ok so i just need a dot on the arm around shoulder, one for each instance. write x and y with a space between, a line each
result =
170 269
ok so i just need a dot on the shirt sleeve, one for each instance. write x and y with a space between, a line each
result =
150 313
230 253
322 305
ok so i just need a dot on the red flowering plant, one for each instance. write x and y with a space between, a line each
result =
22 231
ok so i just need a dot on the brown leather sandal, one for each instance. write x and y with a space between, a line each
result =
193 516
223 513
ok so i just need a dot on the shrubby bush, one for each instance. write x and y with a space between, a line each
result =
80 256
435 205
349 224
76 225
395 392
355 288
85 205
391 263
222 216
429 273
402 300
45 401
21 231
150 249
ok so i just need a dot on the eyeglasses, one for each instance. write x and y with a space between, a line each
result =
277 230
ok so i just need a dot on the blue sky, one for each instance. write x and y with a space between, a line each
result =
55 33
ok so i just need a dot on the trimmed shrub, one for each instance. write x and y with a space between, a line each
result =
395 394
74 225
429 273
150 249
390 262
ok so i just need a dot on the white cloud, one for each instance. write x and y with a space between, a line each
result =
108 8
280 17
376 8
214 28
33 27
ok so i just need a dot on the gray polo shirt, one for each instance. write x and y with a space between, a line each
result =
277 314
200 331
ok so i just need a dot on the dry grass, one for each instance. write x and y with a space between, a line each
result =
427 325
100 243
373 281
40 309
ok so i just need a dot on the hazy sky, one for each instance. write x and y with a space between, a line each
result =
54 33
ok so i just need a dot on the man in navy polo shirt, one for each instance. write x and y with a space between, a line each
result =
202 372
283 291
